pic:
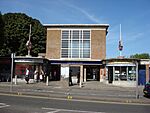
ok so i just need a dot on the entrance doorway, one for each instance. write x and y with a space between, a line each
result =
74 74
92 73
55 72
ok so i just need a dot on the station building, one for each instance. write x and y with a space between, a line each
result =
77 51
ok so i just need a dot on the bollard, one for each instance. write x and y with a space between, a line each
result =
47 81
15 79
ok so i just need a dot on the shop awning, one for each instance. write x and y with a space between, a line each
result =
120 65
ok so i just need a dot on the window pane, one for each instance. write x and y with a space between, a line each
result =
81 34
69 53
81 53
64 43
132 73
86 34
86 53
75 44
65 34
64 53
86 44
75 34
75 53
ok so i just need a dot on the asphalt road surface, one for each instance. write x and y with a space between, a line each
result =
29 104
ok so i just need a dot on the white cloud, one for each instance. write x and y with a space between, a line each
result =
84 12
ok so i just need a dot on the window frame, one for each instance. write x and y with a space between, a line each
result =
80 40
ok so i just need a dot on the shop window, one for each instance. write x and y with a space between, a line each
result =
20 70
131 73
120 73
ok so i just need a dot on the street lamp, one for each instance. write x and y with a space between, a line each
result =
29 44
12 70
137 91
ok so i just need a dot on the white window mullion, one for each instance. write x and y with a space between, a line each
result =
82 43
69 45
71 42
90 43
79 43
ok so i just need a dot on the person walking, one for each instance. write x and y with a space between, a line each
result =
41 77
36 76
27 75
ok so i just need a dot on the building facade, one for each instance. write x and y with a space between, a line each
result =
76 50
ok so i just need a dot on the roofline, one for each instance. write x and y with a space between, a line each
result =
105 26
76 25
109 59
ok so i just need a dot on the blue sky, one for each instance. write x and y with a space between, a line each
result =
133 15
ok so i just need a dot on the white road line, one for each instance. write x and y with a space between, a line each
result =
124 102
2 105
54 110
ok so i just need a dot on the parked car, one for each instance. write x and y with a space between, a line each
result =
146 89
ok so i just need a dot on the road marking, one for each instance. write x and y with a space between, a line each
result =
2 105
125 102
55 110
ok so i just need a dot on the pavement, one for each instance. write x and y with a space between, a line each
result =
90 91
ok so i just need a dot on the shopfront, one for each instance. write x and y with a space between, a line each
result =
121 71
32 63
77 71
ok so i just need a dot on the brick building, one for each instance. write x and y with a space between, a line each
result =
76 50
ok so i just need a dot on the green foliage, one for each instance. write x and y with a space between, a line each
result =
141 56
16 34
1 31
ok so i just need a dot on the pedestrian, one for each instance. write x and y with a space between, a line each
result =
55 75
27 75
36 76
41 76
70 79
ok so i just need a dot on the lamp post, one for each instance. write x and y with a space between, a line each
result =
29 44
12 70
137 90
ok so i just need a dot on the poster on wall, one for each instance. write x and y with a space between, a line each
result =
65 72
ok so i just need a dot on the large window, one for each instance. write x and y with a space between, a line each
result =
125 73
75 44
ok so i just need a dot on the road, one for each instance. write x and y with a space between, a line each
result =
30 104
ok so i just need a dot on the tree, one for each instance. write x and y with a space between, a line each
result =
1 31
141 56
16 34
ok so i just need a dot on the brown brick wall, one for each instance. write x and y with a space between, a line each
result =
98 44
53 44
